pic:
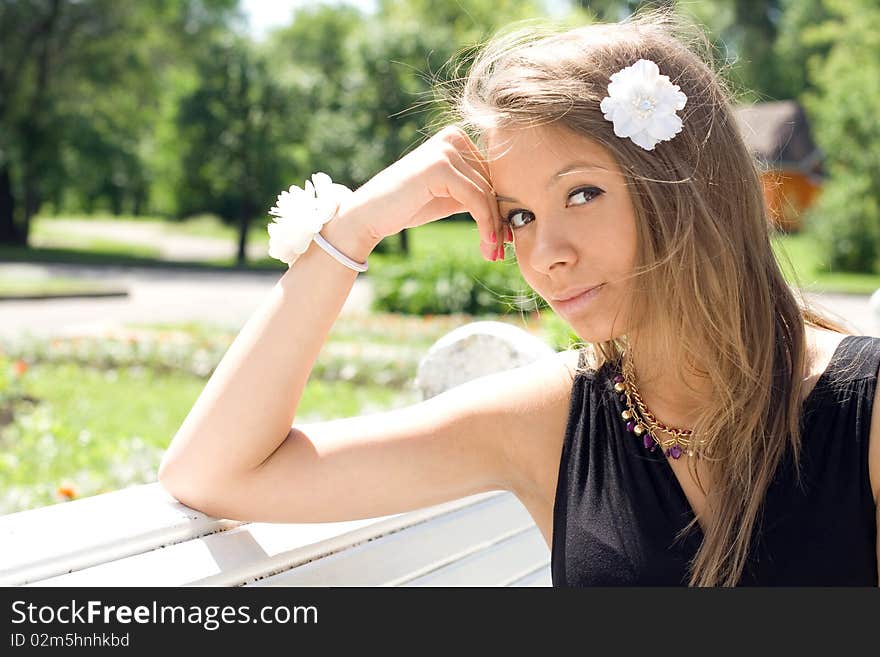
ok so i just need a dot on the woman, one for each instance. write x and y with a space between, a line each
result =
711 431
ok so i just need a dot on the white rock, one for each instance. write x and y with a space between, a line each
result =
475 350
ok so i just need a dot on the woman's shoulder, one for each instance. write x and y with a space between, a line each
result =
840 358
854 368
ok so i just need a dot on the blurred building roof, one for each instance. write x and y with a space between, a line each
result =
778 133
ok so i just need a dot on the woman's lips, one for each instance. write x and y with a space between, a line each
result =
578 303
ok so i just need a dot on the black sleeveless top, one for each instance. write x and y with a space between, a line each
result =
618 506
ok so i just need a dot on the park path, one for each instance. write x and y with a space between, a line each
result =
227 298
224 298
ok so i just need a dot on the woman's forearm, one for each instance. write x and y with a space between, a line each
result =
248 405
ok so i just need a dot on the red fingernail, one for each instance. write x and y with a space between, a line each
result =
494 239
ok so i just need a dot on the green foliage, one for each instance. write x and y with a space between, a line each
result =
69 439
231 129
451 284
79 80
843 108
557 332
743 35
846 220
794 54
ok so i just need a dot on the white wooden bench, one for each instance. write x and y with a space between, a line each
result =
142 536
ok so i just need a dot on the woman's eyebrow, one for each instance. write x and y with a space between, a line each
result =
570 168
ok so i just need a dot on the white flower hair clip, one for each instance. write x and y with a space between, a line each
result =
642 104
300 214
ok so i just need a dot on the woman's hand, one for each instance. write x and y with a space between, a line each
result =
445 175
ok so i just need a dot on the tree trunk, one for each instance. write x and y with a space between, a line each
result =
244 222
139 202
32 201
9 233
116 202
34 129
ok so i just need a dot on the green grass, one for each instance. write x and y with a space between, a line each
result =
810 269
55 285
196 330
98 216
120 402
77 418
91 398
211 226
92 430
437 238
123 257
205 225
107 247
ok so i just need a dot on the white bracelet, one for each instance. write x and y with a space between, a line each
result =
300 214
341 257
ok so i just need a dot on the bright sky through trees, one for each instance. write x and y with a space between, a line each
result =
264 15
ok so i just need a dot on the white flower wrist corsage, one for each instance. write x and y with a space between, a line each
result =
300 214
642 104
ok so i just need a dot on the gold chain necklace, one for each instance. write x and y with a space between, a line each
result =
644 424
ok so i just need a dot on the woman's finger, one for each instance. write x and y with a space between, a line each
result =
477 196
474 158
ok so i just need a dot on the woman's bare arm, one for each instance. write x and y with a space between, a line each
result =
497 432
441 449
247 406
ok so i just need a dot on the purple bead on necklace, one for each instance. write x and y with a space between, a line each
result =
635 427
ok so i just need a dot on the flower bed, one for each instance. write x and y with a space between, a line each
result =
87 414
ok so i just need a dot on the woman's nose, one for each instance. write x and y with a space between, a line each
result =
550 249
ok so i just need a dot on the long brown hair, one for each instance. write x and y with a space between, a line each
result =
707 274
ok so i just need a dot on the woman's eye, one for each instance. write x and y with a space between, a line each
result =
589 193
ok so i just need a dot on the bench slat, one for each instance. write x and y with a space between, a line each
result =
499 564
40 543
422 548
541 577
250 551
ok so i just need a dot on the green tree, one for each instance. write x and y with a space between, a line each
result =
794 54
369 80
78 79
232 131
757 40
843 107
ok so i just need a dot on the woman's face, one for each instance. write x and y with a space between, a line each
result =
572 221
